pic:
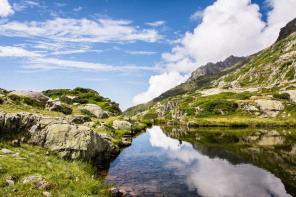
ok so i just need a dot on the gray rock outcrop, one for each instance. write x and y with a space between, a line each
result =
214 68
68 140
287 30
96 110
270 107
53 105
38 180
167 106
292 94
36 95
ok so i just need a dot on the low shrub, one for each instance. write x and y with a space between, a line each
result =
86 112
15 98
66 110
27 100
215 107
284 96
1 100
32 102
206 87
150 116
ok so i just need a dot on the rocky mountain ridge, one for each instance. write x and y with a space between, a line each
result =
214 68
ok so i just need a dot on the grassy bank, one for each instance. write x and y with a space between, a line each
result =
65 178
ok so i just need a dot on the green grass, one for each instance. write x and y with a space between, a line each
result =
60 174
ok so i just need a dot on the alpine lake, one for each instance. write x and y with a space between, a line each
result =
181 161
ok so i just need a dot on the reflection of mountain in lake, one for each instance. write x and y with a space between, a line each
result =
272 150
156 164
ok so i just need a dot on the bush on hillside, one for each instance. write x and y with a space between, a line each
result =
27 100
150 116
284 96
66 110
215 107
86 112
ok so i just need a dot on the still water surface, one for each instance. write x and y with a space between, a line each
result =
157 165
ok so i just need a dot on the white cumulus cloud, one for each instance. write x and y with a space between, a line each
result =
9 51
228 27
5 8
159 84
79 30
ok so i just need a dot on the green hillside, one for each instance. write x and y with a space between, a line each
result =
258 91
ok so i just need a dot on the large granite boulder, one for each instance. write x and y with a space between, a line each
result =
36 95
74 142
96 110
58 134
122 125
270 107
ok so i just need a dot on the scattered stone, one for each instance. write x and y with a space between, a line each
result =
7 151
16 143
10 180
32 154
2 156
46 193
38 180
22 140
16 155
21 158
14 190
248 106
169 123
115 192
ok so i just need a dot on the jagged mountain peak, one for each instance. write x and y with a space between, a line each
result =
287 30
214 68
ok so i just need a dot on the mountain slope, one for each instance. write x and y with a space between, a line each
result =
201 77
259 90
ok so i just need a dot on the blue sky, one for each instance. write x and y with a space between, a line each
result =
131 50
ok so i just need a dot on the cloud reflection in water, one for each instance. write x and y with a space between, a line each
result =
215 177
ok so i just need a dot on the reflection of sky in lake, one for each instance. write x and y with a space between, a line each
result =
166 158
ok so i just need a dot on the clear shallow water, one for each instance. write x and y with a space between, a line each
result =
157 165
